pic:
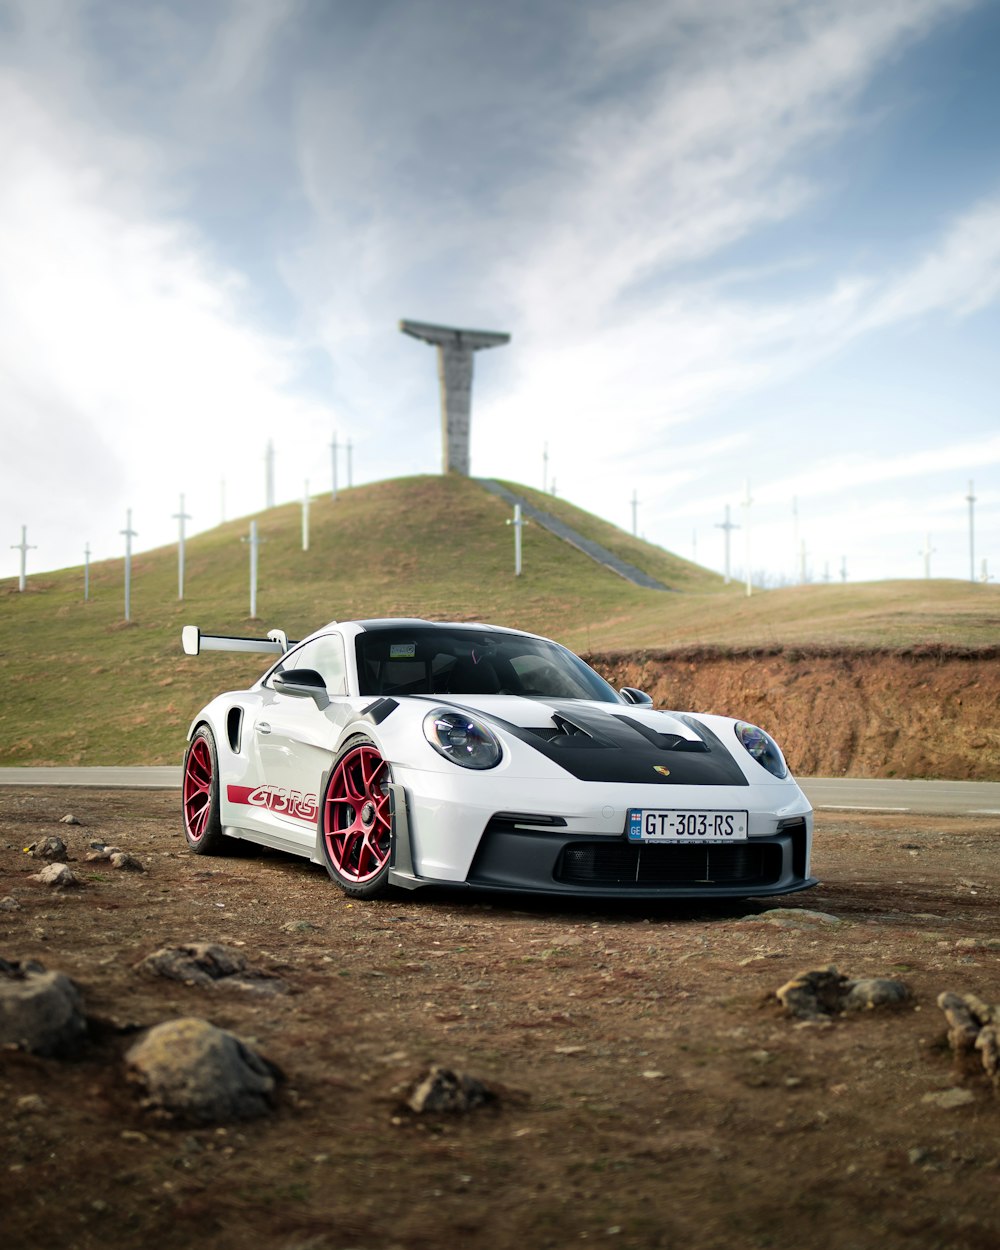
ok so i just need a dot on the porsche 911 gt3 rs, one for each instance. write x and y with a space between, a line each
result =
409 753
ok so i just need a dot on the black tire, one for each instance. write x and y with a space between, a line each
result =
355 828
200 796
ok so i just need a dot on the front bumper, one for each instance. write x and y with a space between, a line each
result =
558 861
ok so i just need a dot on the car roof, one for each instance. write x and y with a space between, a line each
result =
385 624
390 622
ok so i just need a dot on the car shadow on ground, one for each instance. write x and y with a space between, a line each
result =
469 899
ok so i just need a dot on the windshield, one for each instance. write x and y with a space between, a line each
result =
456 661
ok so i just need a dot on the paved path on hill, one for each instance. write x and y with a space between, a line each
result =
940 798
569 535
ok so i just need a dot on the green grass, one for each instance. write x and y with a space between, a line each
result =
80 686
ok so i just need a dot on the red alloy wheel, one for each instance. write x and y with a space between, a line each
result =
197 789
356 826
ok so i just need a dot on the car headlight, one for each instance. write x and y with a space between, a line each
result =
763 748
462 739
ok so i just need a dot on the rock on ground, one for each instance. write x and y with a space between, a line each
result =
821 993
441 1089
51 848
40 1011
128 863
56 875
872 992
210 964
973 1025
189 1070
799 916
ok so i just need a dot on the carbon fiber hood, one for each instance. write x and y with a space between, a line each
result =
611 742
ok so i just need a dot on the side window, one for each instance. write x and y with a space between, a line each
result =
326 655
328 658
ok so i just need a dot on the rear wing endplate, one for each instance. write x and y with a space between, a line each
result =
194 642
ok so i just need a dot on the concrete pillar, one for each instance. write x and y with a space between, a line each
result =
455 349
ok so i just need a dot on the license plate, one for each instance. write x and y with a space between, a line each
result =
660 825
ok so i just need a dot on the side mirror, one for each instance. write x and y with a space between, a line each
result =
631 695
302 683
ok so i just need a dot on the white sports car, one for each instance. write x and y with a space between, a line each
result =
408 753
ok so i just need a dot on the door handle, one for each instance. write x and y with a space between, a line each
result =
263 727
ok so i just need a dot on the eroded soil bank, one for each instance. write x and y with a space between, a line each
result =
917 712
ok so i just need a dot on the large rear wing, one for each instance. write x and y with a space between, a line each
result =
194 642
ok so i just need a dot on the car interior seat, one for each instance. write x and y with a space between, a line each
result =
469 677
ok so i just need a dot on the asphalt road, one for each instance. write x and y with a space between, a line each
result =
942 798
95 778
945 798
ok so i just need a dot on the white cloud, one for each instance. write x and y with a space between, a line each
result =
960 274
130 371
858 471
699 153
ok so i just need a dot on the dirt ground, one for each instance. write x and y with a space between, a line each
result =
652 1092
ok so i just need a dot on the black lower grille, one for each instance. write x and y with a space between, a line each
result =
622 864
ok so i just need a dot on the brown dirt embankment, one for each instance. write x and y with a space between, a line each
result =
927 711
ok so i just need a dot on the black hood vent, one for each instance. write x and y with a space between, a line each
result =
602 746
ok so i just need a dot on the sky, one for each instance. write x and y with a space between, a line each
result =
744 249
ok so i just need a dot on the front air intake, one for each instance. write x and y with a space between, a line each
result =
621 864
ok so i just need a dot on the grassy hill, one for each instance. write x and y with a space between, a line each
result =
81 686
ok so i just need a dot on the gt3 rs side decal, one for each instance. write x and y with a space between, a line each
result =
291 803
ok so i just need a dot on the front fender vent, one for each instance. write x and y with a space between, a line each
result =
234 728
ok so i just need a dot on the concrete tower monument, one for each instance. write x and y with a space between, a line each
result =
455 348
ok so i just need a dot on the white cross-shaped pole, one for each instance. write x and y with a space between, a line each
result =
24 548
545 468
518 525
350 477
129 533
180 518
727 526
254 542
635 506
86 572
927 552
333 449
269 464
971 500
305 518
747 501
